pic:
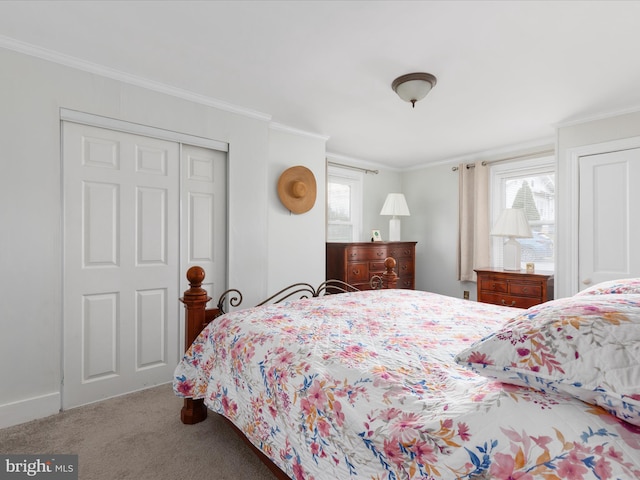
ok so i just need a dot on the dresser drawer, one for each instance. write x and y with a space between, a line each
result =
376 267
405 267
406 282
357 272
401 252
356 254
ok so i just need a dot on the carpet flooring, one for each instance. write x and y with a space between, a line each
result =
138 436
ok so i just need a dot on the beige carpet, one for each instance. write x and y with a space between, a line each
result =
138 436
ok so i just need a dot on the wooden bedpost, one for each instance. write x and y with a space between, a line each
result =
389 277
195 301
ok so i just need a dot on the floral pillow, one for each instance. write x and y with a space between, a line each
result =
624 285
587 346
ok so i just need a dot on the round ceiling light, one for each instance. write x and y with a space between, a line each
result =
413 86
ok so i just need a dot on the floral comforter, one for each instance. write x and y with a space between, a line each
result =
364 385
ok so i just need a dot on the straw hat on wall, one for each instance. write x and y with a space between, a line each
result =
297 189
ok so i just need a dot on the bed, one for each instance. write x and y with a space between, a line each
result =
402 384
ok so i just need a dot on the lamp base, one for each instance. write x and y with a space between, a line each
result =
511 254
394 229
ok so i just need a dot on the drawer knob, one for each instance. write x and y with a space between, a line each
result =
379 253
513 303
525 289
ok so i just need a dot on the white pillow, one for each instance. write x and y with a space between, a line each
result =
587 346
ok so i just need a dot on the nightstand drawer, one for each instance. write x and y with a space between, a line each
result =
526 289
492 285
508 301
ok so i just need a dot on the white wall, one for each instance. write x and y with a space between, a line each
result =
432 194
296 241
32 91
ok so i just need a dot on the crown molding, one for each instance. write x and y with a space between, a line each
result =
287 129
493 154
600 116
97 69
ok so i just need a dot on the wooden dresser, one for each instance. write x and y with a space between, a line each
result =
356 263
514 288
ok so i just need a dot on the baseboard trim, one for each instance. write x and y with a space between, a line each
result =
30 409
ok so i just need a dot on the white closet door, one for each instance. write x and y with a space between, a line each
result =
204 219
609 217
121 262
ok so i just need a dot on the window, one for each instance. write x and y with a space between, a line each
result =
344 205
529 185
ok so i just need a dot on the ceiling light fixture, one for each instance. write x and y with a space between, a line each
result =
413 86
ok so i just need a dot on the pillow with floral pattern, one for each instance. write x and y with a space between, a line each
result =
621 286
587 346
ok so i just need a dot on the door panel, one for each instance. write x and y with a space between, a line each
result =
609 225
204 224
99 339
121 262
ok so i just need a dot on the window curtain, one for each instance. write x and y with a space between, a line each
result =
473 240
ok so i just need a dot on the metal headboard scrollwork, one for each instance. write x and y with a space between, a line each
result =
233 296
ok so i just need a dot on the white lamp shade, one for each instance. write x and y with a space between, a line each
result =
395 204
512 223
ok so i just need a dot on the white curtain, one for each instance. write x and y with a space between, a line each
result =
473 240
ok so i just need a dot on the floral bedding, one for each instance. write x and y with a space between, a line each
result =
366 385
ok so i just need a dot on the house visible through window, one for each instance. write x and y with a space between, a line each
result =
530 186
344 205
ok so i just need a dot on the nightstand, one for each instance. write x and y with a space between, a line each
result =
514 288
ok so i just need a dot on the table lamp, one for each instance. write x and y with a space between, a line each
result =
395 205
512 224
